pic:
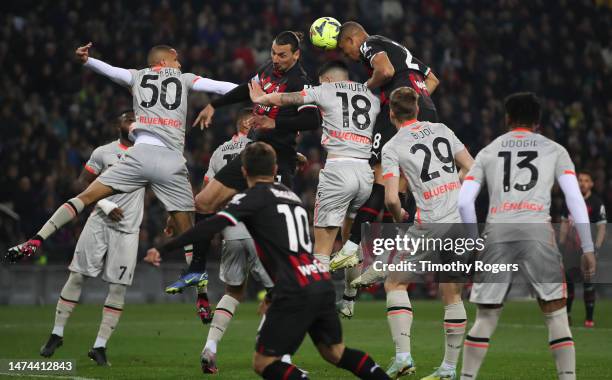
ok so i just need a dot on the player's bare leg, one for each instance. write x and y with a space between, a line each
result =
355 361
455 322
324 243
399 317
213 197
366 214
64 214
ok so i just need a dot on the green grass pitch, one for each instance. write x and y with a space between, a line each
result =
164 341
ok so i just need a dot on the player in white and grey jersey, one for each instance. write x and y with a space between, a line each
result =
349 111
427 154
160 101
108 244
238 255
520 168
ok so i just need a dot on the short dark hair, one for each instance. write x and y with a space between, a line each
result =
332 65
244 112
289 37
258 159
587 172
349 28
403 103
523 108
153 56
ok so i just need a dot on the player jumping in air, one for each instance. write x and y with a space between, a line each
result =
277 126
349 112
238 255
427 153
392 66
156 159
520 168
304 296
570 244
108 244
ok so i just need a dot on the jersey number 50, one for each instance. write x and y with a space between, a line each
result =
163 97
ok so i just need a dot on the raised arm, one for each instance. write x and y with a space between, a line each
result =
431 82
258 96
210 85
116 74
383 71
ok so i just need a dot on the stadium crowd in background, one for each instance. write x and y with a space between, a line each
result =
53 112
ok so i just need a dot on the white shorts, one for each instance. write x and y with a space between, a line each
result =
238 257
539 265
344 186
164 169
103 248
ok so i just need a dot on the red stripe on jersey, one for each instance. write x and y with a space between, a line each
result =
469 178
569 172
370 210
388 175
123 147
408 122
361 363
90 169
288 372
305 259
296 268
195 79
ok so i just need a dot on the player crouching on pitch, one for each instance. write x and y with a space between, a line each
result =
108 244
518 175
304 298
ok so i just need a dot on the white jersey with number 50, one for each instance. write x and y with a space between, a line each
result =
160 103
425 153
349 111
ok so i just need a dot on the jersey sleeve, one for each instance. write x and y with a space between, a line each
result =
369 49
390 162
564 163
420 66
477 172
242 206
601 217
312 94
212 166
95 164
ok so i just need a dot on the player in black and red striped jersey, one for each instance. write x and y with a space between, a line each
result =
303 301
277 126
570 243
392 66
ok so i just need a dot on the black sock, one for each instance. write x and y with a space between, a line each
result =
200 249
361 364
282 371
368 212
589 300
570 296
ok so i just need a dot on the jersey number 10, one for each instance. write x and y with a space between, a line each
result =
296 218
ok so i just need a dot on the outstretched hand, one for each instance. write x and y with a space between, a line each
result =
205 117
153 257
257 93
82 52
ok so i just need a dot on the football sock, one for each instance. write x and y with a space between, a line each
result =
188 250
323 259
113 306
202 292
476 342
351 274
361 364
455 321
62 215
589 299
200 249
399 316
570 296
368 212
69 298
282 371
286 359
224 312
561 344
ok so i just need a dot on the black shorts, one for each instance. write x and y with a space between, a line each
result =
384 130
231 175
288 320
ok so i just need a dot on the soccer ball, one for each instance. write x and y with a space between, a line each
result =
324 33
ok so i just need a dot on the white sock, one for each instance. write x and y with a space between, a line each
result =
286 359
58 330
455 321
561 344
402 356
211 345
100 342
349 245
476 342
224 312
399 317
323 259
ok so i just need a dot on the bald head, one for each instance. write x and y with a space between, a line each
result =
352 36
162 55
